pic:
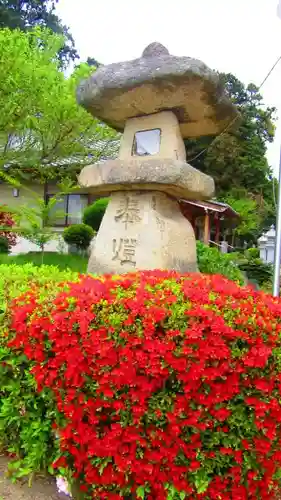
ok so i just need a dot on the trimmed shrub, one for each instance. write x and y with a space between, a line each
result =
166 386
212 261
79 235
4 245
256 270
94 213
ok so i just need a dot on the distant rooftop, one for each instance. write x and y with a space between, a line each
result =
212 206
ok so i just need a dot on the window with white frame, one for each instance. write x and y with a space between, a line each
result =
69 208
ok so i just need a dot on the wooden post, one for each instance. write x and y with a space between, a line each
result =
217 225
207 228
193 223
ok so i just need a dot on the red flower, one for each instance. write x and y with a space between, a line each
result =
221 414
7 220
157 375
194 465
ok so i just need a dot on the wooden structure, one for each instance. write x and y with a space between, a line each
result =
209 218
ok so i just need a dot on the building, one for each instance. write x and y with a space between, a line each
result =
209 219
71 205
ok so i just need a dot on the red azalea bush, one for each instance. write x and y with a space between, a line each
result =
168 386
6 220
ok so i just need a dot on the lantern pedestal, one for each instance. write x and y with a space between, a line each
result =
143 230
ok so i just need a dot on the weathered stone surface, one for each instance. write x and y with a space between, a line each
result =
174 177
143 230
155 82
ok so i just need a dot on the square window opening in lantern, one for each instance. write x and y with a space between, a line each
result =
147 142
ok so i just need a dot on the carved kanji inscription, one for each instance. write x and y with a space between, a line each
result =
129 211
124 250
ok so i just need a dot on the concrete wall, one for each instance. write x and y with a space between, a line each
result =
25 197
25 246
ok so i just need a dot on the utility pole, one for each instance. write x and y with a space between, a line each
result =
277 255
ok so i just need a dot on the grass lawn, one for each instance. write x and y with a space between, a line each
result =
62 261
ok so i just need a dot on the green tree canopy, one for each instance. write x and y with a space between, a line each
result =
237 158
251 215
93 62
26 14
42 128
243 149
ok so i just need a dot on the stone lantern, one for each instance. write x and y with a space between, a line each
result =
262 241
266 244
270 244
157 101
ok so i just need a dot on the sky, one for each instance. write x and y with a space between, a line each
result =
242 37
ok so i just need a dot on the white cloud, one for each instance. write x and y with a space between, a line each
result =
238 36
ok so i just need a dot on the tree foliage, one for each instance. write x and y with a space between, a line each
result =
242 150
250 215
237 158
42 128
93 62
26 14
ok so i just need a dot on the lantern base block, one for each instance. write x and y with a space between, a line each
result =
143 231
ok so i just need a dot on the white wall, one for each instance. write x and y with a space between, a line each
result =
56 245
25 246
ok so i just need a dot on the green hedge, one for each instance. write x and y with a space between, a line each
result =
17 279
256 270
94 213
79 235
25 416
158 385
212 261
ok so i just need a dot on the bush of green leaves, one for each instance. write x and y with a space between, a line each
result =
257 270
4 245
79 235
212 261
25 416
252 253
254 268
94 213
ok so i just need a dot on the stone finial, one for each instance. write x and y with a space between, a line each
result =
155 49
159 81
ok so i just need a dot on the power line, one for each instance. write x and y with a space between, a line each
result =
274 193
269 73
236 117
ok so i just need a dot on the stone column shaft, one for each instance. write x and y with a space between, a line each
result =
143 230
